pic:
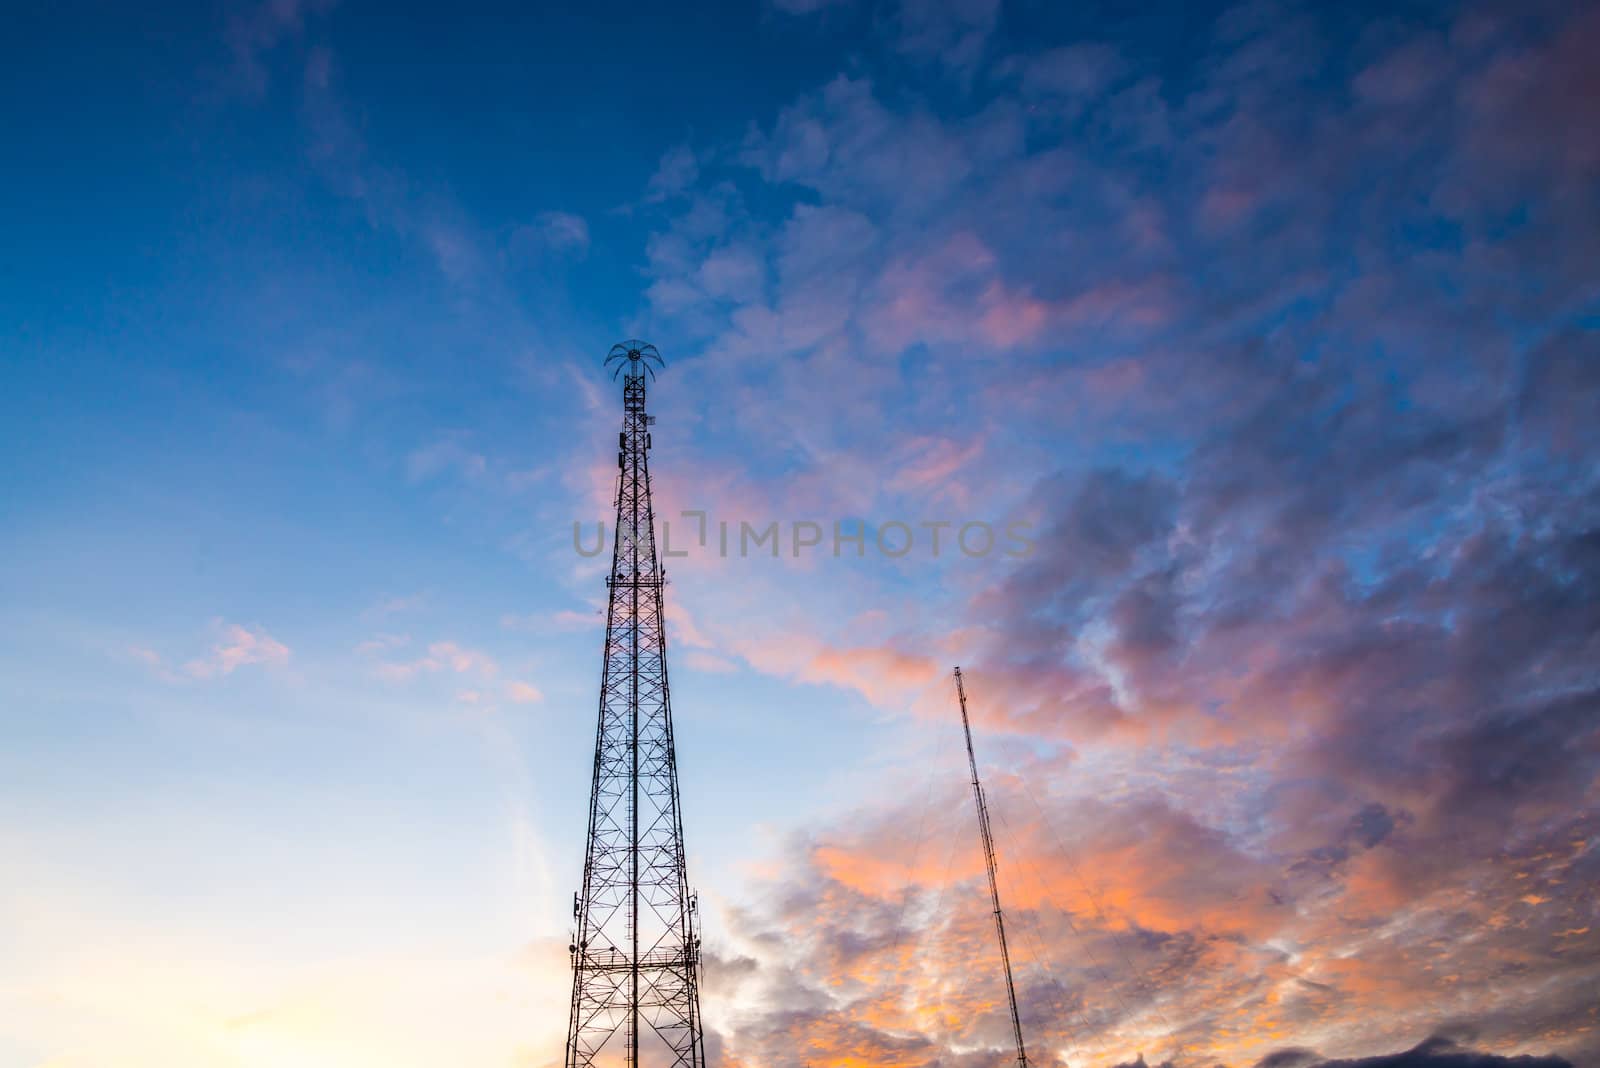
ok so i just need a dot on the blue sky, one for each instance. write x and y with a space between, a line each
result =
1272 323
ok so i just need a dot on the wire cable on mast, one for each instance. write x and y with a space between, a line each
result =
1100 913
1074 1020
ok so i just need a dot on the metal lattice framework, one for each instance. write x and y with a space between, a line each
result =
636 947
987 835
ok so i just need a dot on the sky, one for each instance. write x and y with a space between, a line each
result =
1260 338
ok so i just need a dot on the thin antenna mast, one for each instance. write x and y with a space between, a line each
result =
994 886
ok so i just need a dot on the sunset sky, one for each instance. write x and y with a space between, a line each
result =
1272 325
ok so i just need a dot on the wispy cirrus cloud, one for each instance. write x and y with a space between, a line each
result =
559 233
440 656
236 645
445 455
256 28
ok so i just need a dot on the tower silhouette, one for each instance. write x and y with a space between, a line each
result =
636 945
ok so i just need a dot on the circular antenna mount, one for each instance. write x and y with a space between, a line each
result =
637 357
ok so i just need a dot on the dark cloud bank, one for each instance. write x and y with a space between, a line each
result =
1439 1051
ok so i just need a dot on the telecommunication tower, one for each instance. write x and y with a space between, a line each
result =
636 944
994 886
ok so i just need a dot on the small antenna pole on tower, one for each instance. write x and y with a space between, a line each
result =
994 885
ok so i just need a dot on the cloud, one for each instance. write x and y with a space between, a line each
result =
397 605
565 619
955 32
881 674
558 233
441 657
145 655
952 295
678 167
1079 71
433 225
523 693
237 646
444 455
1440 1051
380 643
700 660
847 145
805 7
459 660
255 29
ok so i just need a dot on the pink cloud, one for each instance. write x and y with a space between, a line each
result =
461 660
956 295
238 646
1008 318
442 656
524 693
930 464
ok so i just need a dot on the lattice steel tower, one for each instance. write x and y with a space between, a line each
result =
636 946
